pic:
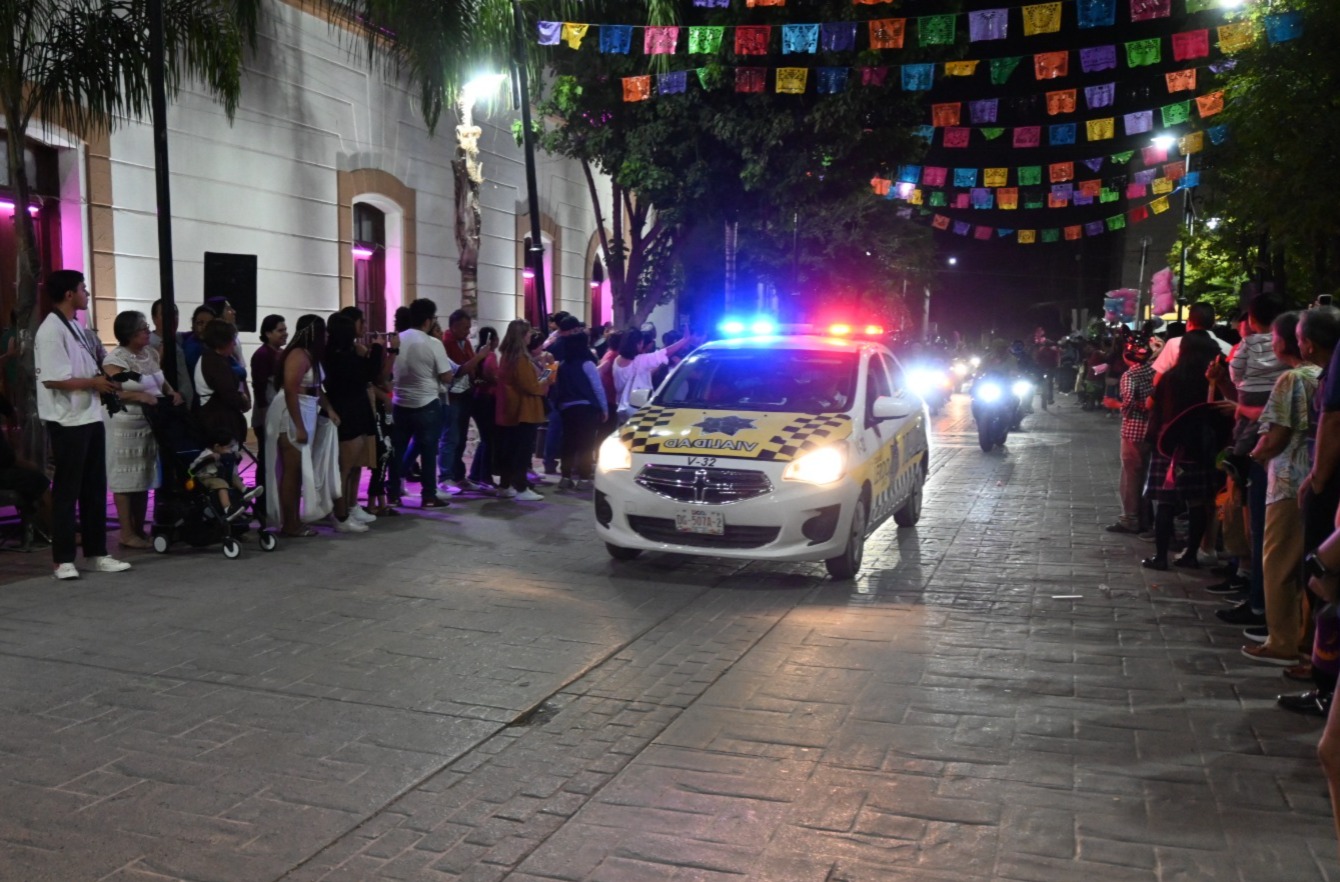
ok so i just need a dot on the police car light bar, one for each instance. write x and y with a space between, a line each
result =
760 326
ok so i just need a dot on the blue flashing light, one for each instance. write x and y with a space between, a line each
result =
763 327
732 327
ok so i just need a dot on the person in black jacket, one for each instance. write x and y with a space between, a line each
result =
579 397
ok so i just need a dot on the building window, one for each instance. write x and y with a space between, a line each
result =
370 265
44 181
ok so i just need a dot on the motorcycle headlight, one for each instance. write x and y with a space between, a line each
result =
990 392
962 369
922 382
614 455
975 361
823 466
1022 388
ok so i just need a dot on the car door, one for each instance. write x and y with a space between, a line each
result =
876 441
909 442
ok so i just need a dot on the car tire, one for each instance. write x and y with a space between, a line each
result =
618 552
847 564
910 513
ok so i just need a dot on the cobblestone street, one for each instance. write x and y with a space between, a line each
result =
479 693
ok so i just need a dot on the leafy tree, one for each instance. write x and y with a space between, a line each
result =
1283 126
714 157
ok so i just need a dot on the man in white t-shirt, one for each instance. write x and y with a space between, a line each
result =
69 383
1200 317
421 370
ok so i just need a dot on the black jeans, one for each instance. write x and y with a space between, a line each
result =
482 468
580 424
80 457
516 448
424 426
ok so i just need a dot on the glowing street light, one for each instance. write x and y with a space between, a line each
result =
953 261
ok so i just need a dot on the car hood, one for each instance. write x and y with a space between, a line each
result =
773 437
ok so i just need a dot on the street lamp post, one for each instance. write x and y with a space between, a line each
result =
158 103
535 253
1188 221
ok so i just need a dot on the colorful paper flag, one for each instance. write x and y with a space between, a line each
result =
1174 171
1091 187
674 83
1139 122
1218 134
962 228
1041 18
1160 205
1136 191
936 30
875 76
549 31
1139 214
1001 68
1027 136
1030 175
957 136
1050 65
1175 114
1100 96
938 198
1154 154
988 24
1058 200
1007 198
918 77
1116 222
1236 37
800 38
1061 101
751 79
1102 129
1093 228
940 222
983 110
1191 44
1281 27
616 39
1073 233
1181 80
792 80
996 177
1142 53
1210 104
960 68
1191 142
909 174
1061 134
636 88
1028 237
1093 59
1061 171
660 40
752 39
887 33
1193 6
982 232
1122 158
838 36
705 40
1097 13
832 80
965 177
983 198
573 33
991 133
1146 10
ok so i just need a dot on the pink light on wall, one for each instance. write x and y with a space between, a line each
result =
362 253
9 207
528 273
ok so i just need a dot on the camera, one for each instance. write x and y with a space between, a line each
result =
109 400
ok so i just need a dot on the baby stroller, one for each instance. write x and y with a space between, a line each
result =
184 511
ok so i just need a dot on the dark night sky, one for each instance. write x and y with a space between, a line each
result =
999 283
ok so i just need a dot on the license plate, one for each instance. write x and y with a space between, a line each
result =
711 523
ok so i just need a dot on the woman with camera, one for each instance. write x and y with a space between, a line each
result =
132 452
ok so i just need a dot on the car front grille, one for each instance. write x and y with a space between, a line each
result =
736 536
710 486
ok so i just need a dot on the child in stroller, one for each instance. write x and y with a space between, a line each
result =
215 469
202 500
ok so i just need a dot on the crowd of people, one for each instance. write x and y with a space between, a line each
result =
322 405
1230 465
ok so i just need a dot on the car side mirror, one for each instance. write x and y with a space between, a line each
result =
638 398
886 407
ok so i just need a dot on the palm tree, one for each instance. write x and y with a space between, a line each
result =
84 65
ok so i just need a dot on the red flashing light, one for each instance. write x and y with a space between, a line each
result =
874 330
839 330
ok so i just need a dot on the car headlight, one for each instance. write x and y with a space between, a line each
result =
989 392
975 361
614 455
1022 388
826 465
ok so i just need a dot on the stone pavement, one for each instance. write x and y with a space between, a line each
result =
480 694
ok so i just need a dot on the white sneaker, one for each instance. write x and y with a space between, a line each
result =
448 488
528 496
362 515
107 564
349 525
65 571
507 493
472 486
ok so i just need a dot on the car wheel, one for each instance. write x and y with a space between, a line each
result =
847 564
618 552
910 513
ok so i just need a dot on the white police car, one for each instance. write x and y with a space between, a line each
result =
767 448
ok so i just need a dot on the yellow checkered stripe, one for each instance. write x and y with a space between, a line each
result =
804 432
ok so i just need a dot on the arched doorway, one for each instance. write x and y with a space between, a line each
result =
379 265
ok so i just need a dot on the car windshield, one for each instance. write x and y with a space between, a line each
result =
788 380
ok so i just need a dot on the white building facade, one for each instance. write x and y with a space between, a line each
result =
326 165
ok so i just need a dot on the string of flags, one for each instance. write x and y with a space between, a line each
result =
921 77
1068 233
891 34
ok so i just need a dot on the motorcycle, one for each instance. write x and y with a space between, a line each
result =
932 383
997 407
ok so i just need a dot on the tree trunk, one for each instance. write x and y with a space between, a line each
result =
468 221
32 441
